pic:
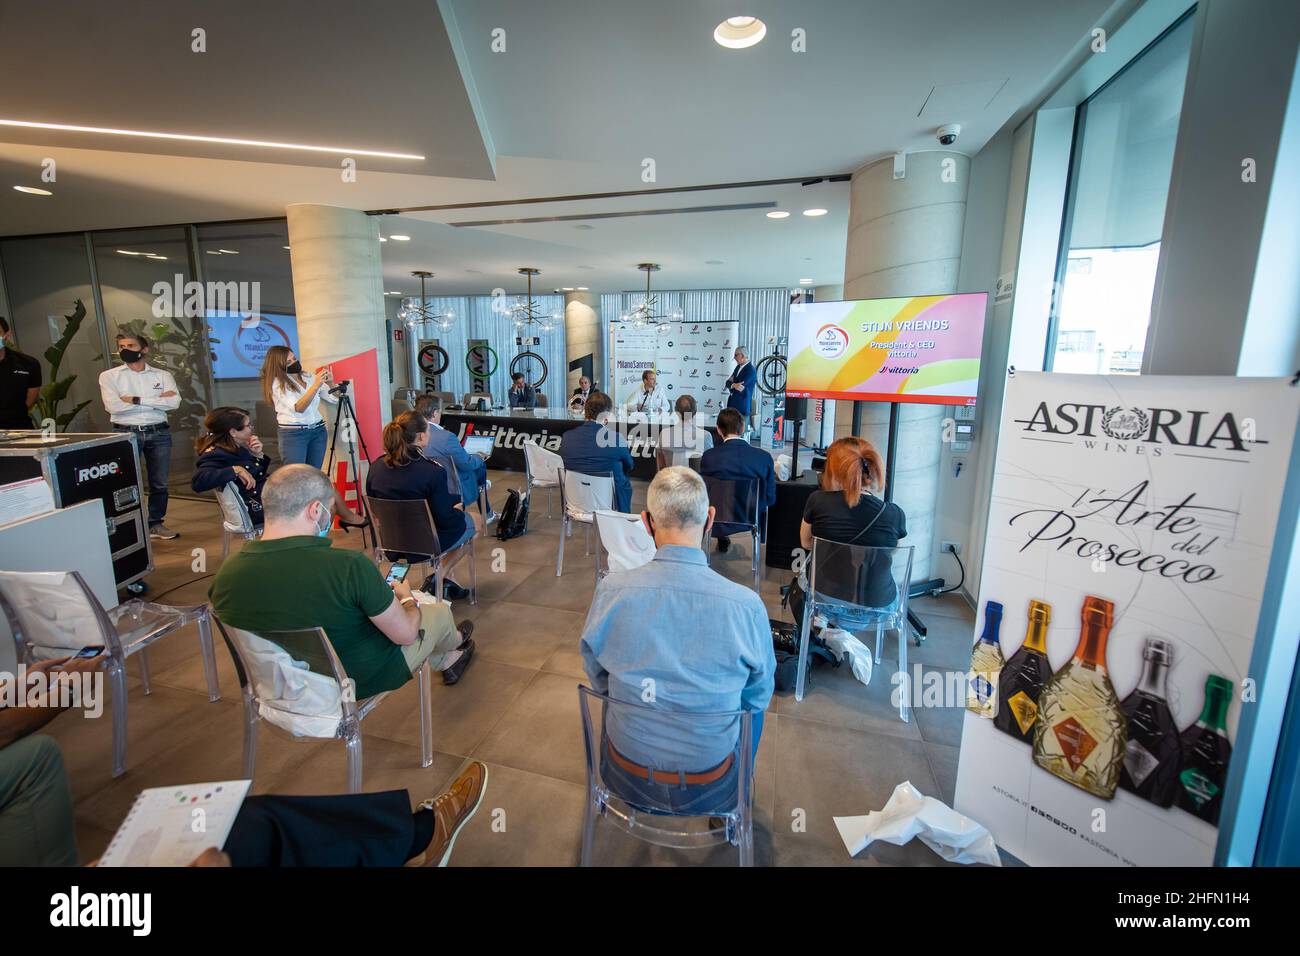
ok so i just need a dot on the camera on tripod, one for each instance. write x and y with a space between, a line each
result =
341 387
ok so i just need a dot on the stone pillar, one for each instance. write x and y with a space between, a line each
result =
905 238
582 337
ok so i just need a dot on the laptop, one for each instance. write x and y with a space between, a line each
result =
478 444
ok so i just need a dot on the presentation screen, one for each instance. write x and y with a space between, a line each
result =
241 341
923 348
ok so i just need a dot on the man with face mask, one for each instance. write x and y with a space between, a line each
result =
20 382
138 397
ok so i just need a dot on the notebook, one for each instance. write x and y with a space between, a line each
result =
171 826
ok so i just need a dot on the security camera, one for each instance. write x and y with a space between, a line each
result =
947 135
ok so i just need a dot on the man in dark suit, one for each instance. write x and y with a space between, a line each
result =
594 449
735 459
521 394
740 385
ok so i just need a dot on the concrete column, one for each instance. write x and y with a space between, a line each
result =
582 336
905 238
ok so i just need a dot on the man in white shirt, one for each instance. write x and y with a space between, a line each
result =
138 397
649 399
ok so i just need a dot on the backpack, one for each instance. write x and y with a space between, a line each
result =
785 646
514 516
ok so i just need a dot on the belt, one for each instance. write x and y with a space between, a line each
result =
669 777
301 427
144 429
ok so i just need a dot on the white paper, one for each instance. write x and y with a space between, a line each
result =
25 499
910 813
171 826
841 643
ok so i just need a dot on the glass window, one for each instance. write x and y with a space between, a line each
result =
1115 209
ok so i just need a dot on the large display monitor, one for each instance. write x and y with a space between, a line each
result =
241 341
923 348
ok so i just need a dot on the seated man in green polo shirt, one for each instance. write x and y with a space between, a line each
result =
292 578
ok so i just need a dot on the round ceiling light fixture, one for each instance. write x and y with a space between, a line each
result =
814 212
33 191
778 214
737 33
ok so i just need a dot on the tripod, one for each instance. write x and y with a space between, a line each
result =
348 412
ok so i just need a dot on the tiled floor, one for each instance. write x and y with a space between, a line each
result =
839 751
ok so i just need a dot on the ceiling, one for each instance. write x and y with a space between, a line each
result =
581 96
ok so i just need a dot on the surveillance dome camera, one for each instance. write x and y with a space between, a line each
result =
947 135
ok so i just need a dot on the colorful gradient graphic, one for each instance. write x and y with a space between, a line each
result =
923 349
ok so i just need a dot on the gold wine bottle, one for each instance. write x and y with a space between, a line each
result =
1081 732
1022 680
985 665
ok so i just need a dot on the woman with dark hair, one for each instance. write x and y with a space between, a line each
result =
404 474
229 452
296 399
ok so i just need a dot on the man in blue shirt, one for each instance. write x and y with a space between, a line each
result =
471 470
735 459
740 385
677 636
594 449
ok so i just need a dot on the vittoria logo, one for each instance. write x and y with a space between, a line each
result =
97 471
1146 429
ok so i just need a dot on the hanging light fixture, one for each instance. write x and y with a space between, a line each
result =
645 314
527 314
415 312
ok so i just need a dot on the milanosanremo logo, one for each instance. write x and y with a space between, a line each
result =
831 341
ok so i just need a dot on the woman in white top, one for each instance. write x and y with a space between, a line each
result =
297 406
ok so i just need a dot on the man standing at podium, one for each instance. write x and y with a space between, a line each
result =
740 386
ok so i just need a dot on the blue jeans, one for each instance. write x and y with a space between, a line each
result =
304 446
706 799
156 452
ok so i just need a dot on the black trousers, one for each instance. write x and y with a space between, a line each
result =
353 829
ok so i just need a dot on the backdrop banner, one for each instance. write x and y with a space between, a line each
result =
690 358
1129 537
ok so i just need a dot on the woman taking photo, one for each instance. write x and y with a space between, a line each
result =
847 510
404 474
297 406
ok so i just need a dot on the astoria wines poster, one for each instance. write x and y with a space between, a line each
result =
1129 536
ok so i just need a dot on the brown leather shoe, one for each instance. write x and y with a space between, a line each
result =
452 810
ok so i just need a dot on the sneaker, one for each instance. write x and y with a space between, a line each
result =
453 674
452 810
163 532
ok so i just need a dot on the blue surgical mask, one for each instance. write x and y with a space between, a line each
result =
329 521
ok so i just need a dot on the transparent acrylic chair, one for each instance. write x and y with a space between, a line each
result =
858 589
541 470
625 541
235 520
295 680
404 529
736 503
55 614
580 497
659 822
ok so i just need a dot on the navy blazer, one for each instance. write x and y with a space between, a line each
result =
742 401
738 460
525 399
470 469
215 468
581 448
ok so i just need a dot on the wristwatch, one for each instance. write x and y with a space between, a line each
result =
404 600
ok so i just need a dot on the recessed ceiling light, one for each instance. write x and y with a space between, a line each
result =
382 239
778 214
814 212
805 281
582 288
401 238
392 293
151 256
228 252
33 191
736 33
286 247
566 288
127 252
341 150
212 252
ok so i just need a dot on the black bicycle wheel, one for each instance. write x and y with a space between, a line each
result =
490 360
771 375
531 357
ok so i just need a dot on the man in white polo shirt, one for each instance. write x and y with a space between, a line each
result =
649 398
138 397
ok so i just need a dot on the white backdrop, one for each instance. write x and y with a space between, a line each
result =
691 358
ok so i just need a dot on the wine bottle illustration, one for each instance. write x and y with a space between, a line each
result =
985 665
1080 732
1023 677
1205 754
1152 757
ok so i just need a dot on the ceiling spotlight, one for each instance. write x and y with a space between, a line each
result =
814 212
736 33
228 252
778 214
582 288
127 252
805 281
33 191
566 288
211 252
149 255
408 238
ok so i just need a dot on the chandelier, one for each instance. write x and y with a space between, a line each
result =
416 311
527 314
645 314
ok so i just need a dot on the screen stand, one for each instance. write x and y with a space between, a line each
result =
916 588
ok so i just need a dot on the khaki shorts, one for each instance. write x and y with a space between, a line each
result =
438 637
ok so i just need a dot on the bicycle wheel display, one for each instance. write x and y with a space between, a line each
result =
529 358
771 375
433 360
486 356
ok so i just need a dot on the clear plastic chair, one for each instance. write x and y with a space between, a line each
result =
652 820
858 588
541 470
235 520
580 497
624 540
55 614
736 502
295 680
404 529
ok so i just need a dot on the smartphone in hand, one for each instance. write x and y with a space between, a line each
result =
397 573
